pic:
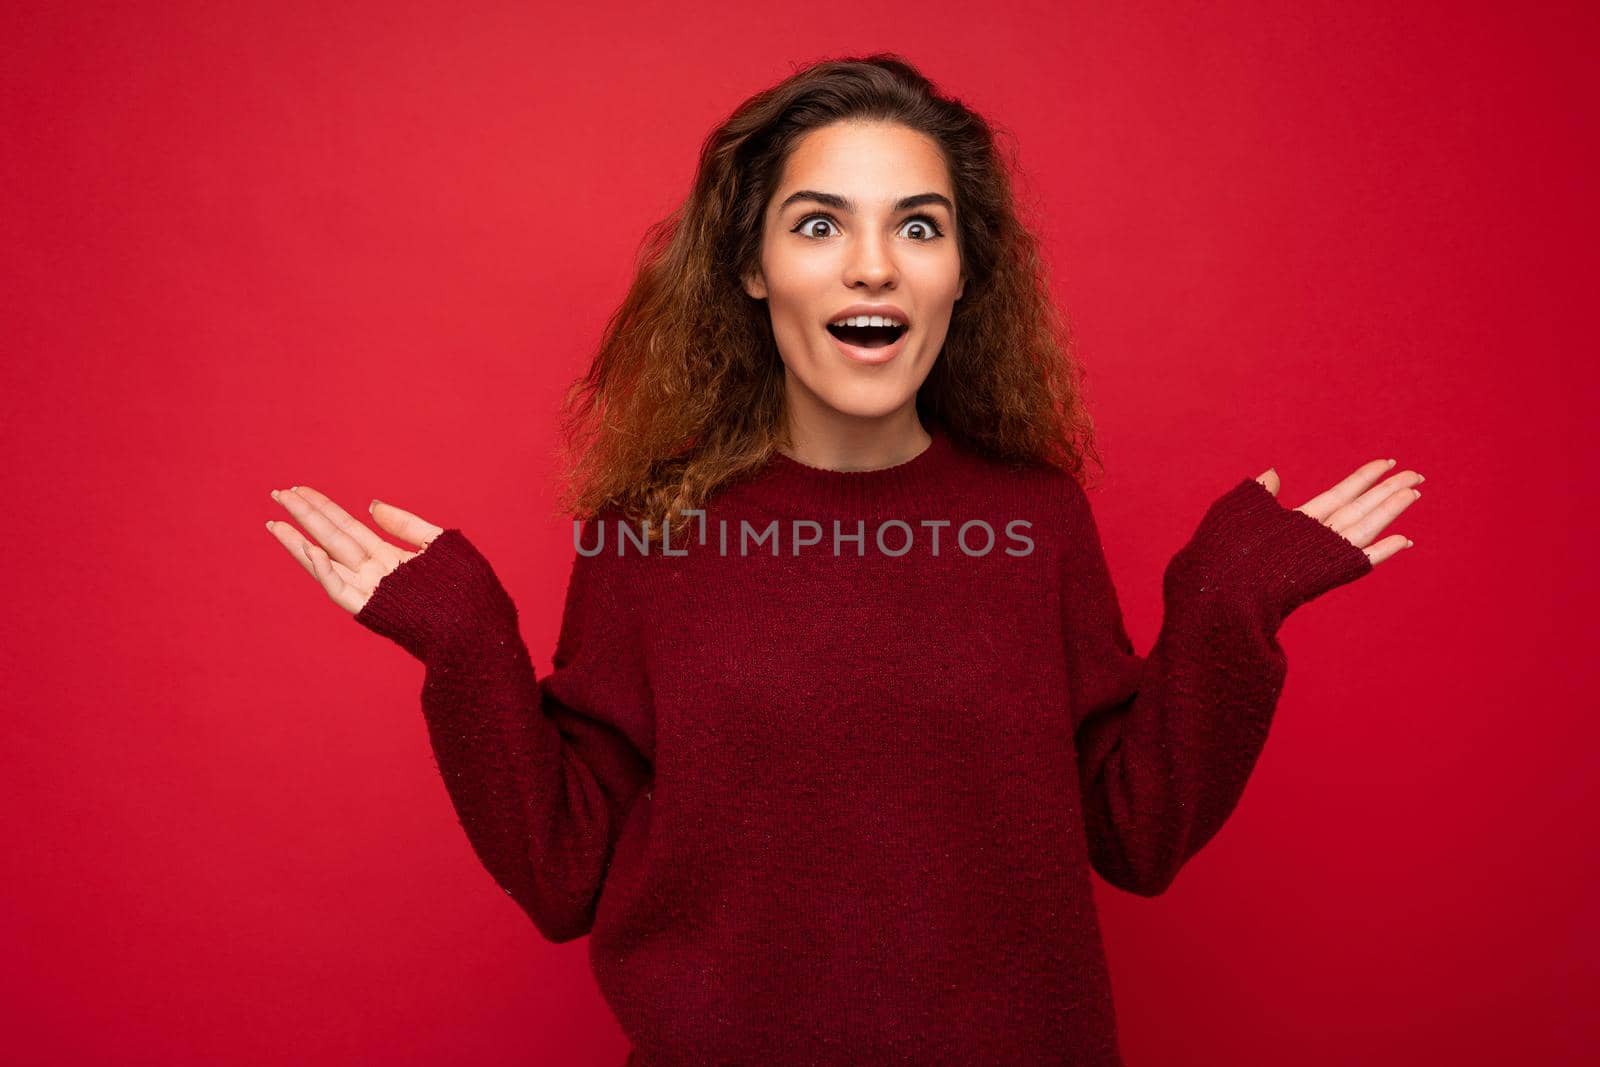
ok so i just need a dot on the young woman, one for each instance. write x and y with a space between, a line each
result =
843 712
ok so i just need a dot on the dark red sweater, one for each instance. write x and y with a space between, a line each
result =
819 808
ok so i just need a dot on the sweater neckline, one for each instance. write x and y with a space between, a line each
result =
791 486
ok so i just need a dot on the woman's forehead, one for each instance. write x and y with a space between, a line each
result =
867 166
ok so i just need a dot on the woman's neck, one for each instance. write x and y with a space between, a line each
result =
848 444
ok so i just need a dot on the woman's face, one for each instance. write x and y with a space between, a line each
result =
864 214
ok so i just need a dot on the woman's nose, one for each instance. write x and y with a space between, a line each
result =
870 262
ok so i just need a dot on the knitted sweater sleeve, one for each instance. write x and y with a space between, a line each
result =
541 773
1165 742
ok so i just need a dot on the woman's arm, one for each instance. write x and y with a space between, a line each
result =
541 773
1165 743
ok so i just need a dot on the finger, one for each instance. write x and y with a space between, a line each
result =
1387 547
340 545
358 531
341 591
1369 525
404 525
1363 505
306 554
292 541
348 575
1269 479
1359 481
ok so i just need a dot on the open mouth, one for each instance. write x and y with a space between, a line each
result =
868 336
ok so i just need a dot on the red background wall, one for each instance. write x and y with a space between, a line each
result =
364 246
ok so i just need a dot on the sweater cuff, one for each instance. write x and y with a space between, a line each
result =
1269 555
445 593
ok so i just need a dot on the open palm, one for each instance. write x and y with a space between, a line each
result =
347 559
1360 506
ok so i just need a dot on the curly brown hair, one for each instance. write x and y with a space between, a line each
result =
686 391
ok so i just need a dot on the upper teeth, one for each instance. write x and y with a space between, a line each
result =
867 320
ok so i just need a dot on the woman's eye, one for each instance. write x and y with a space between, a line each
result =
806 225
919 228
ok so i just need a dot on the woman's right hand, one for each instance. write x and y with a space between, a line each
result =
348 560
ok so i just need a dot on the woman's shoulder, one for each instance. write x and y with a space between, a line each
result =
1036 481
619 551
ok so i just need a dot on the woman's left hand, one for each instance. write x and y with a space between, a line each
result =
1359 507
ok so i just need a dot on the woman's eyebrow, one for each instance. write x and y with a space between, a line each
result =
848 206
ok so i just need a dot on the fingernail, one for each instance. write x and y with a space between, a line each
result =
274 494
1420 479
372 505
1391 463
269 524
1408 542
